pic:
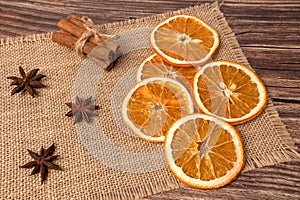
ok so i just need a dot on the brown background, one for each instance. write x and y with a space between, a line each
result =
269 34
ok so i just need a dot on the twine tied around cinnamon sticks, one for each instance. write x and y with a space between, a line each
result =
90 31
81 34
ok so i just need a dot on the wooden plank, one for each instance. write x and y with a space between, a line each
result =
284 93
264 187
100 11
279 78
288 109
292 125
273 58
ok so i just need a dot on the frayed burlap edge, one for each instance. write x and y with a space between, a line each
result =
24 39
289 154
143 190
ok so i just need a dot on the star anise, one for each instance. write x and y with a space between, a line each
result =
27 82
82 109
42 162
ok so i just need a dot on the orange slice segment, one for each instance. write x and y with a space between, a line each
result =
153 105
155 66
230 91
184 40
204 152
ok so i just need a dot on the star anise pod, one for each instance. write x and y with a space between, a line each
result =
27 82
42 162
82 109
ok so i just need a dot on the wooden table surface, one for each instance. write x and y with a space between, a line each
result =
269 34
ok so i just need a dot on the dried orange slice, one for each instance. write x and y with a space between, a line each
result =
155 66
184 40
230 91
204 152
153 105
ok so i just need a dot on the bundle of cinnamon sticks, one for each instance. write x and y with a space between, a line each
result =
101 50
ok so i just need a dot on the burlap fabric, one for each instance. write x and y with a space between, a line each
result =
103 160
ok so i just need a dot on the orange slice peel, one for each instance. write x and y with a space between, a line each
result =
204 152
184 41
155 66
153 105
229 91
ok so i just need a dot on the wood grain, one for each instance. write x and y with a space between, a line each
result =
269 34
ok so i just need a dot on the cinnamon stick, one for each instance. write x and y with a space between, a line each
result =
75 19
99 54
103 52
70 28
78 29
70 41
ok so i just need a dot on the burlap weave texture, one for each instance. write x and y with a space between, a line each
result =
28 123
